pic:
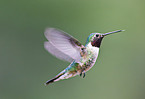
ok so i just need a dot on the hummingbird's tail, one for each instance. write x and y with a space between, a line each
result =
56 78
62 75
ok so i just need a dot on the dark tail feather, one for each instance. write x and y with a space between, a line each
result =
50 81
53 79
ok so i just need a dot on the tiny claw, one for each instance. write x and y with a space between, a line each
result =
84 75
81 74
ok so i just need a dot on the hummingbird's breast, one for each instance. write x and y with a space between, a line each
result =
84 64
90 59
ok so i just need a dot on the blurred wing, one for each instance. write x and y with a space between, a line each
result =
54 51
62 45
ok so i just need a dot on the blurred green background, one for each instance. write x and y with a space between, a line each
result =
25 65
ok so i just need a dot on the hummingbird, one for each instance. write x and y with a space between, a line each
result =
65 47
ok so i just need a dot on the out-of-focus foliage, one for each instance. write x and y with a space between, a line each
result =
25 65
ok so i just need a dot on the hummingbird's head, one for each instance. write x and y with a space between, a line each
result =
96 38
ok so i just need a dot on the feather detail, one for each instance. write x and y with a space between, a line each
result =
61 44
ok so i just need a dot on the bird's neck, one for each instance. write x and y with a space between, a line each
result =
93 49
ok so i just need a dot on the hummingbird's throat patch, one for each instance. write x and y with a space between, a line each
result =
97 42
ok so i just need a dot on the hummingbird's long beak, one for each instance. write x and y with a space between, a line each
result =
112 32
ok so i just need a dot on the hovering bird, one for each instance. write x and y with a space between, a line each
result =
65 47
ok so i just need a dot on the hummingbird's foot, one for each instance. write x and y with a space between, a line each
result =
82 74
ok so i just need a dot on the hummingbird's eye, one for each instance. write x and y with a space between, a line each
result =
97 35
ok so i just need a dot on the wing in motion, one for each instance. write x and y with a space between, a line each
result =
62 45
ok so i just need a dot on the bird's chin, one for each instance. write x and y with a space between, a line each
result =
97 42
